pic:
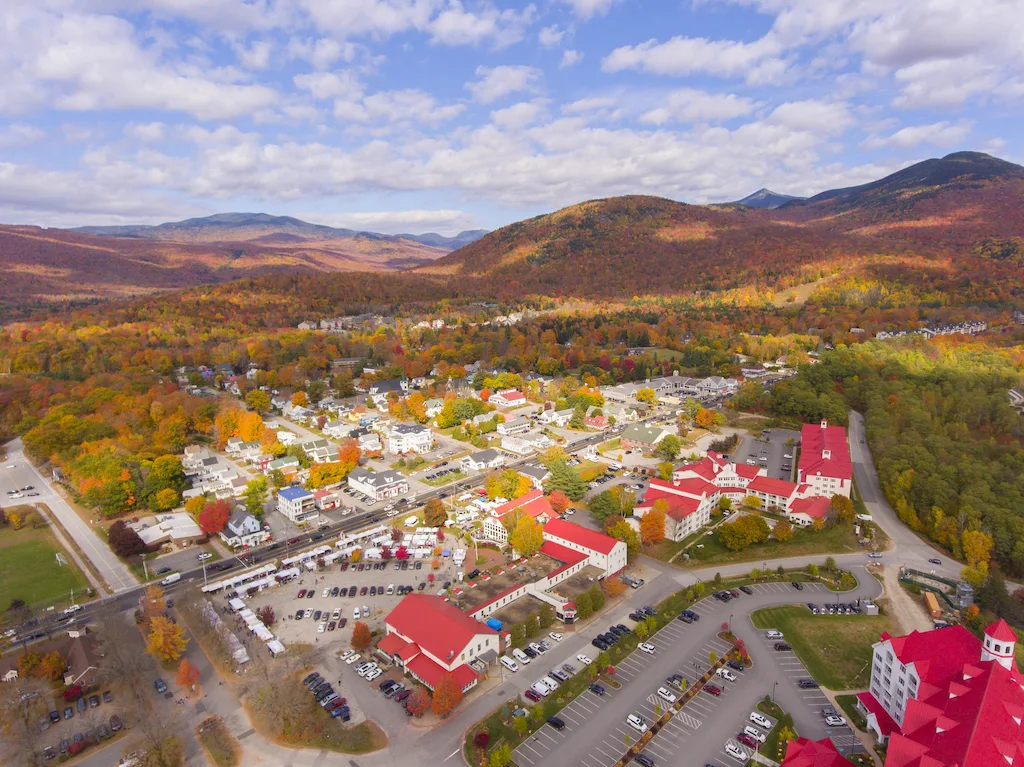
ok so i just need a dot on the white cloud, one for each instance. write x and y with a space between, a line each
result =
519 115
688 105
457 26
378 18
406 105
758 61
942 134
587 9
497 82
551 36
448 222
146 133
256 55
819 117
330 85
570 58
321 53
20 135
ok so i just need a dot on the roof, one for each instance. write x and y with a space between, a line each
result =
391 644
1001 631
679 506
648 435
409 428
436 626
814 440
804 752
294 493
431 673
815 508
533 503
772 486
562 553
885 722
936 654
511 395
972 720
377 478
581 536
537 472
485 456
409 651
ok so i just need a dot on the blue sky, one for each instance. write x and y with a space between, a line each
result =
441 115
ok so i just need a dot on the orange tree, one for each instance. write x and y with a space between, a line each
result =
188 674
418 702
652 524
361 636
447 696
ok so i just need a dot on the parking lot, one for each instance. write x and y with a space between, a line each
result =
92 718
706 726
770 452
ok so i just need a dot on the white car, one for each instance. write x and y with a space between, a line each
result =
325 593
9 466
647 648
336 614
835 721
666 694
202 556
637 723
352 659
355 613
726 674
347 654
374 674
584 660
321 628
537 648
555 636
787 455
735 751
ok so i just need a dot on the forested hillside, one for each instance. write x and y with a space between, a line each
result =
948 446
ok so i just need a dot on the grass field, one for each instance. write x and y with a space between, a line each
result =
29 569
219 744
838 539
836 649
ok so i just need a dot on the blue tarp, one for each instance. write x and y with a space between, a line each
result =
494 623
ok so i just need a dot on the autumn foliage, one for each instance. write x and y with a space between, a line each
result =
447 696
214 517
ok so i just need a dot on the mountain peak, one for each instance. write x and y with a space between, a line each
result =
766 199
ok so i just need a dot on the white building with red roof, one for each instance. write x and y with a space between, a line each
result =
688 504
533 504
602 551
804 752
508 398
943 698
825 462
430 638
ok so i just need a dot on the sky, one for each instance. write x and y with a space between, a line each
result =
444 115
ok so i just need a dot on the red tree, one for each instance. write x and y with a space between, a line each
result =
559 501
385 553
401 553
213 518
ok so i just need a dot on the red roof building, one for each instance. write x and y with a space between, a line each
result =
688 501
825 459
533 504
603 551
803 511
803 752
964 701
429 638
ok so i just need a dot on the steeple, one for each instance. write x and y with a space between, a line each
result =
999 644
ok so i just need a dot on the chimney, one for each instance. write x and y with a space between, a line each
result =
824 423
826 454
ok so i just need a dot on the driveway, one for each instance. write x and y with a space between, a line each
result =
117 576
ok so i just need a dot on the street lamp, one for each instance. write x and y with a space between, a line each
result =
774 685
730 623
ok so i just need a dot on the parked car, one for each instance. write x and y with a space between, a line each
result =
115 723
712 690
782 647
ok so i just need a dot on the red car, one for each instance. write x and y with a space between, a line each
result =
746 740
710 688
532 696
302 593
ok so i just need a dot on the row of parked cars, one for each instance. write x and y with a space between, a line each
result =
80 740
397 692
325 695
730 594
751 736
840 608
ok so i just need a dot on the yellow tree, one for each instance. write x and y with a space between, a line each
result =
783 531
153 601
250 426
647 396
527 537
166 640
977 547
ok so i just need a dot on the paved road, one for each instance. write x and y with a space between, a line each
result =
112 570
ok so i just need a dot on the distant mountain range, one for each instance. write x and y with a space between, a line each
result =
245 227
620 246
766 199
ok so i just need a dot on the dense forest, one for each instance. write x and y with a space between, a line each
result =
948 446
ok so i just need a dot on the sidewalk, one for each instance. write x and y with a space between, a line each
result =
865 738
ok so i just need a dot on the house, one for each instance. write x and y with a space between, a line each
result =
640 436
430 638
233 445
508 398
483 460
297 413
243 530
319 450
516 446
944 698
379 391
80 651
327 499
286 438
337 429
533 504
804 752
803 511
537 475
716 386
410 438
537 440
514 427
286 464
378 485
598 422
297 504
621 413
825 462
622 392
177 527
369 442
558 418
433 407
688 504
753 371
603 551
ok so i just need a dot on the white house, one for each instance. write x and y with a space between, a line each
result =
605 552
516 426
537 475
243 530
378 485
297 504
483 460
508 398
559 418
533 504
319 450
516 446
379 391
337 429
410 438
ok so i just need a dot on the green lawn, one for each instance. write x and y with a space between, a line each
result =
838 539
447 479
836 649
29 569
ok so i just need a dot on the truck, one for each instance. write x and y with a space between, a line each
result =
932 604
172 578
